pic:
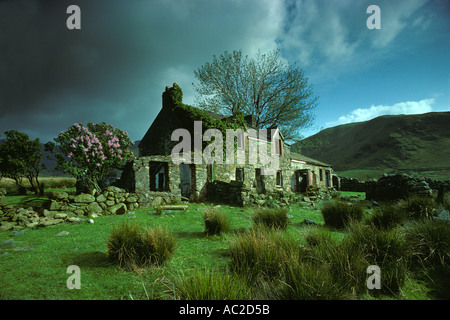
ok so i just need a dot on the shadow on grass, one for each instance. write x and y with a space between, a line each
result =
91 259
203 235
190 234
221 253
438 281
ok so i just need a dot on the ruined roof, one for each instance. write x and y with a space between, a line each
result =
300 157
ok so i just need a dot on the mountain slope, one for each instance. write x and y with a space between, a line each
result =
402 142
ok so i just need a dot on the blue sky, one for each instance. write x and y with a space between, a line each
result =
116 67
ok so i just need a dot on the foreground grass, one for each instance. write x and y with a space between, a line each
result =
35 266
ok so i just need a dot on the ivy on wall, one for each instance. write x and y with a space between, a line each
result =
187 114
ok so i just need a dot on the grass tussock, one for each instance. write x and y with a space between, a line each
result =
338 214
271 218
216 222
315 236
387 217
444 202
134 246
386 249
429 241
418 207
261 252
277 267
210 285
310 280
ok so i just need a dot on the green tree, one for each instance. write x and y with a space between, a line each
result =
276 93
91 152
21 158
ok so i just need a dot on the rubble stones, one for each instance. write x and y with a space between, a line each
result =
234 193
58 195
391 187
62 207
7 226
441 214
120 208
397 186
84 198
93 207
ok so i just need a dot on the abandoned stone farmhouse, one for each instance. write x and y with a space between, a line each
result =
155 175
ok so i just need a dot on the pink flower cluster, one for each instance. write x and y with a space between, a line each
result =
87 147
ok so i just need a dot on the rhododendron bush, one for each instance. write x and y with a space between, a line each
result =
91 152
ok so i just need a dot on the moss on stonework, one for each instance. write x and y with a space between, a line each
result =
187 114
174 93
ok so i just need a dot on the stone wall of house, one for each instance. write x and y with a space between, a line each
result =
157 140
226 193
136 179
235 193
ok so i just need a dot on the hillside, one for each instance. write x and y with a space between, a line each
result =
415 143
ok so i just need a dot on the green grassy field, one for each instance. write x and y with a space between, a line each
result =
35 265
44 257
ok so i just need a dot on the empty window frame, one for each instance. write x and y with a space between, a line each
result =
278 147
159 176
279 179
240 174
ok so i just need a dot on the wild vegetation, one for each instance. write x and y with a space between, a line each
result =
21 160
145 255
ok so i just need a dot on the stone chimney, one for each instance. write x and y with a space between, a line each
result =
251 120
172 95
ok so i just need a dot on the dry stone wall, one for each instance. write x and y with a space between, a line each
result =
392 186
62 207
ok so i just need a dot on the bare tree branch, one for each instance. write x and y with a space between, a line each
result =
276 93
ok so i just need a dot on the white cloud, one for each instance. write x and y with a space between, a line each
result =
364 114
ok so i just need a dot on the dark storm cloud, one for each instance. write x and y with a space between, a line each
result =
44 59
115 68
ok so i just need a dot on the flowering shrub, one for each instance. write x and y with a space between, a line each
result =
90 152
